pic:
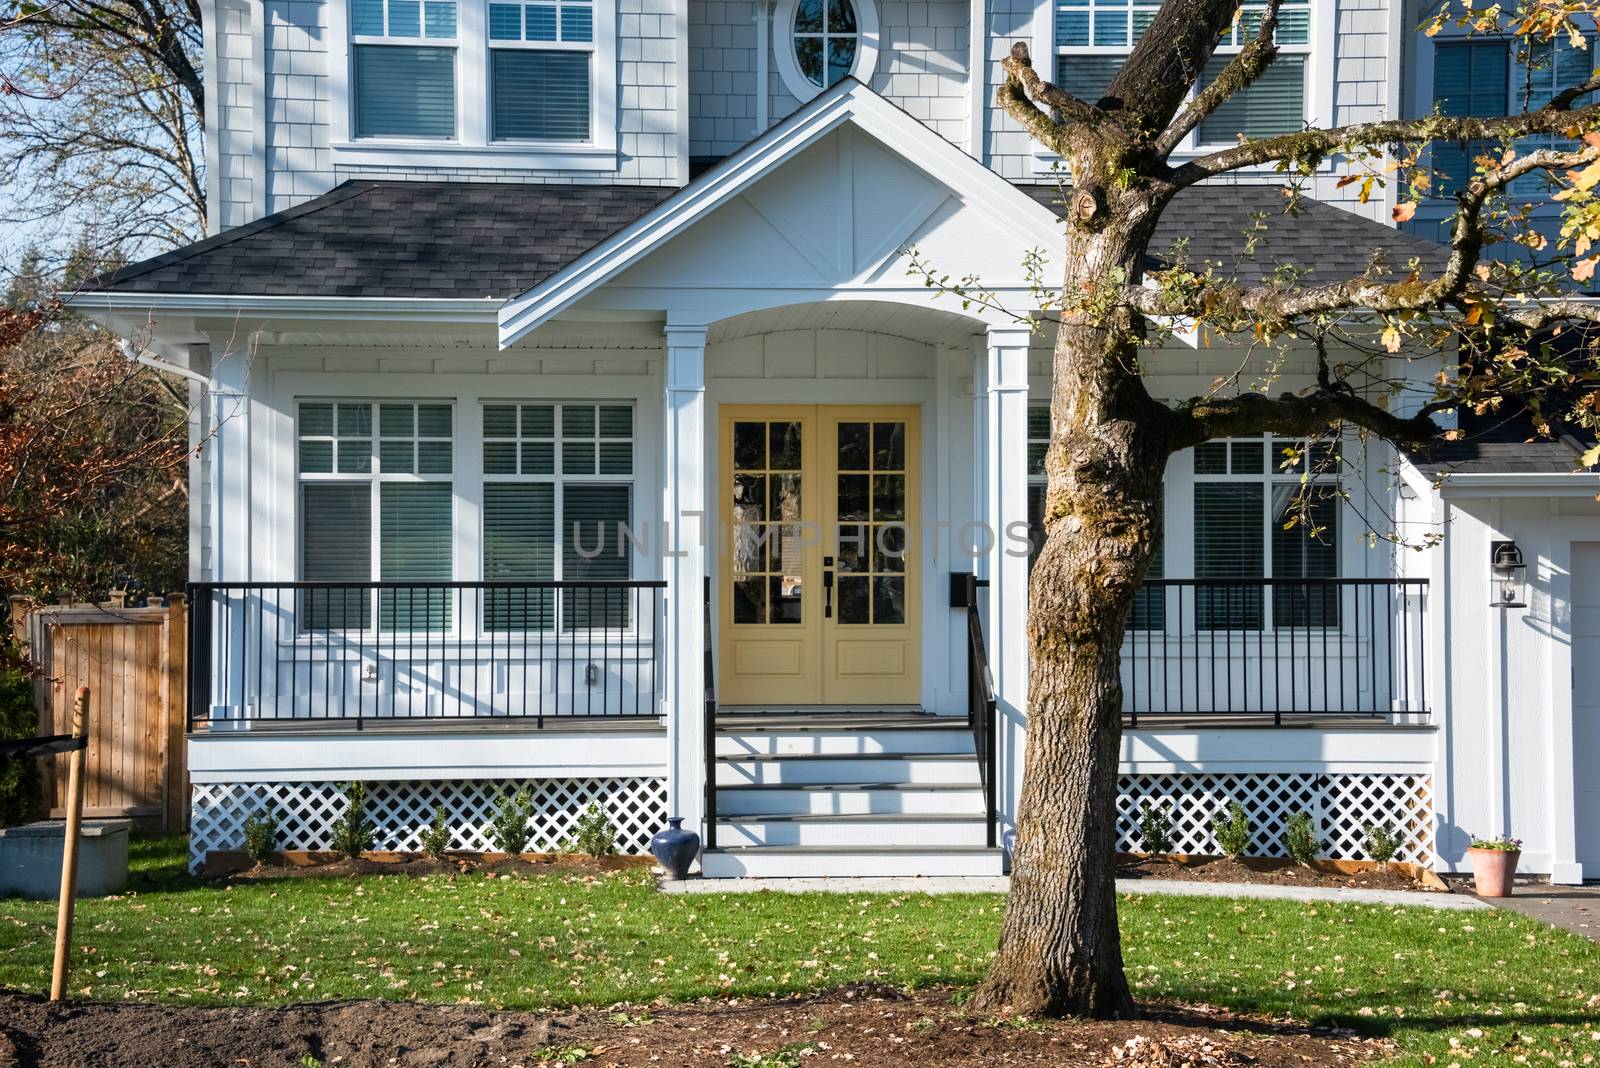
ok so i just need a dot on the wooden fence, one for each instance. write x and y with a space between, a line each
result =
134 662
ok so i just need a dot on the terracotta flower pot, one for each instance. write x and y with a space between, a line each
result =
1493 869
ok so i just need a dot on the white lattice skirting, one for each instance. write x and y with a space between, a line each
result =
1340 806
307 811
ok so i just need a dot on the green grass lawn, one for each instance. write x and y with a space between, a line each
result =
1496 984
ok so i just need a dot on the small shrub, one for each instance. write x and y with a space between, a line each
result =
1155 829
261 836
21 795
1300 839
1233 831
595 835
1380 842
436 835
509 828
352 832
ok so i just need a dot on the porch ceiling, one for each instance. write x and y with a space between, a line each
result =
930 325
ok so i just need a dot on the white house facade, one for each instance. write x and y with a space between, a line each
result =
569 414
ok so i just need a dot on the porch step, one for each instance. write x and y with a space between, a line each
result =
932 831
777 862
847 792
850 799
843 769
898 739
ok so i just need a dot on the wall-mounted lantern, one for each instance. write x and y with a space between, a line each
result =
1508 576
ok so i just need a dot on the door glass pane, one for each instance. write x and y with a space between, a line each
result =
766 510
870 539
519 528
749 446
854 447
854 599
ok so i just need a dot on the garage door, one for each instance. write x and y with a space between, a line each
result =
1586 701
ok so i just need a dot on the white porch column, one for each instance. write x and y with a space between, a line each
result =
686 568
227 411
1004 378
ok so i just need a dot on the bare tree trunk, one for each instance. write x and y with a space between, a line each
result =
1060 951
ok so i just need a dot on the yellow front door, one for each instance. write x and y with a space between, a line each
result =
820 596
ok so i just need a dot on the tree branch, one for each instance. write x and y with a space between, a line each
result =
1024 91
1315 144
1266 303
1200 419
1251 62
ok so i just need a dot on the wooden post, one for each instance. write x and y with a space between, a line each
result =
69 847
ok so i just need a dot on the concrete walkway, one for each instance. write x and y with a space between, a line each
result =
952 885
1571 908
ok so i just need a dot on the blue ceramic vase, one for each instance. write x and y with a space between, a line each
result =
675 848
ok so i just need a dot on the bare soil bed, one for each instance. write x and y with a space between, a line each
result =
329 865
858 1026
1269 871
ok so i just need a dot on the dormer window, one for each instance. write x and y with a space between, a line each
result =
525 84
404 60
827 40
539 70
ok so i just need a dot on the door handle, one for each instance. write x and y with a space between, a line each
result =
827 587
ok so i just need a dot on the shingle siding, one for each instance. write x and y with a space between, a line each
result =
922 67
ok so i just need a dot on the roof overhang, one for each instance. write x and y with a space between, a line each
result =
849 102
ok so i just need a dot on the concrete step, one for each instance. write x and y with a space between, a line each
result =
826 769
943 739
777 862
851 799
928 830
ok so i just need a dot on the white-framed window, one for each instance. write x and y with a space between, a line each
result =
541 59
447 83
376 495
403 68
1488 76
1092 38
1246 492
819 42
557 500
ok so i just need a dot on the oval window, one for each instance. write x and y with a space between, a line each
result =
830 40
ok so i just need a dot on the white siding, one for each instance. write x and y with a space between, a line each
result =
237 122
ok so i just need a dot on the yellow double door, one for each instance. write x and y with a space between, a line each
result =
818 567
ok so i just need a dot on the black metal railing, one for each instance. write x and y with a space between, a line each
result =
981 706
710 712
362 652
1278 648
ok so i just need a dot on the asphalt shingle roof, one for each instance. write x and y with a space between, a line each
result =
480 239
1326 242
1500 445
400 239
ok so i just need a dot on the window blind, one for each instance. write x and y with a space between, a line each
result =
1469 78
1087 77
405 91
415 542
1229 543
335 546
1296 553
539 95
593 549
1273 104
519 538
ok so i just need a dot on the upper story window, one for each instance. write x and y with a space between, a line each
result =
540 58
404 64
1497 76
827 40
443 83
1093 37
